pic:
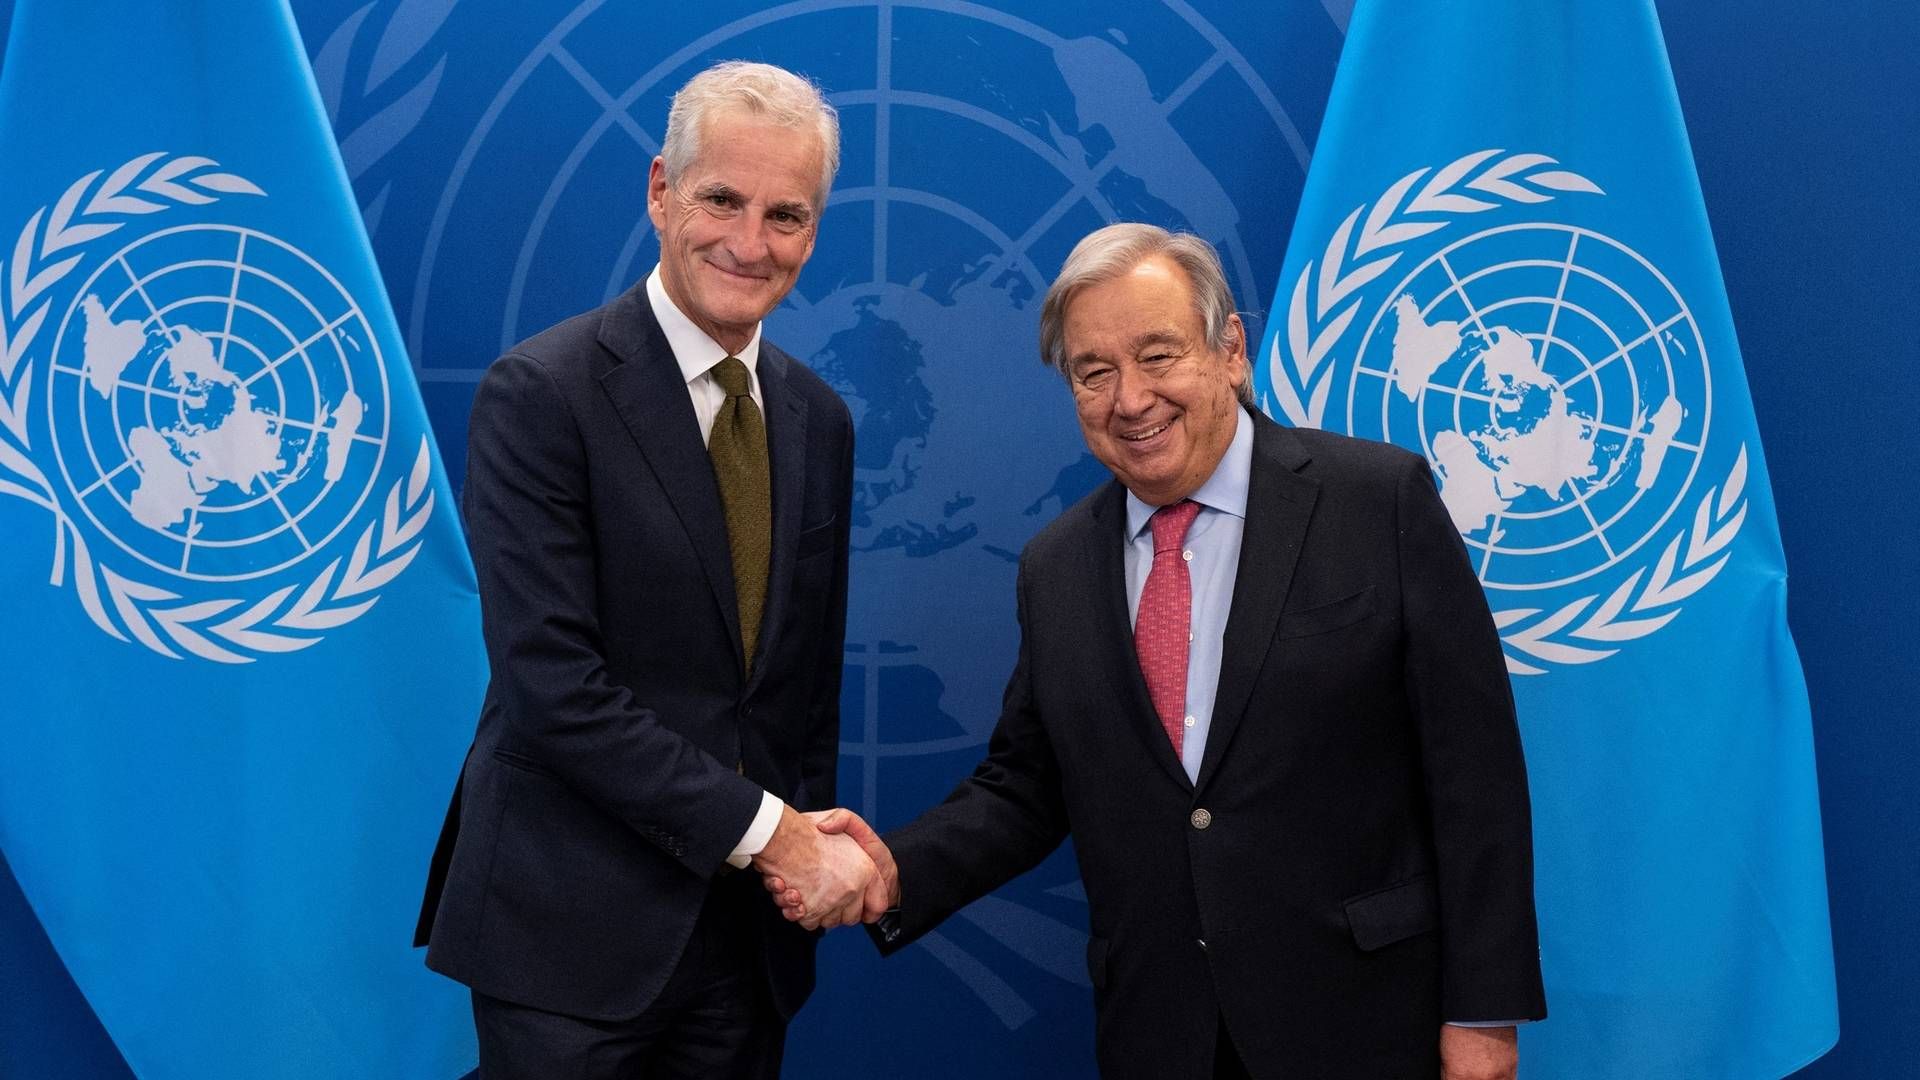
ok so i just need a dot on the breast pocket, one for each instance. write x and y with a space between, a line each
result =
1328 617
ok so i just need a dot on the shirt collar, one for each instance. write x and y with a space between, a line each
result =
693 350
1225 490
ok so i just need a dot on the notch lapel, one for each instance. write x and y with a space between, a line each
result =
786 416
1279 507
650 395
1105 554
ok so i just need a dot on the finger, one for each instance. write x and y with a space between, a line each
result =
857 827
774 884
833 821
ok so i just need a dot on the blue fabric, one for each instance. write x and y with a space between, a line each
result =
1502 260
1214 539
239 641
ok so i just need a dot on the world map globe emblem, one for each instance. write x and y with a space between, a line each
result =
1558 385
217 403
978 146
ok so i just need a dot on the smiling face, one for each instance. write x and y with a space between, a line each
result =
1156 403
738 224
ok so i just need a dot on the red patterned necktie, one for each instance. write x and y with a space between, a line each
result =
1162 628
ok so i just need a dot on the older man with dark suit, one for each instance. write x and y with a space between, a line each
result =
656 501
1259 686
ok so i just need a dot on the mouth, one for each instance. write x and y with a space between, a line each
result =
1145 436
736 274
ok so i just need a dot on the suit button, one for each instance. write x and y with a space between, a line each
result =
1201 818
1202 942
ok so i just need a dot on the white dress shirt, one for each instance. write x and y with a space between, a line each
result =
696 353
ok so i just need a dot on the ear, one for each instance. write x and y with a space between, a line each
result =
657 193
1239 369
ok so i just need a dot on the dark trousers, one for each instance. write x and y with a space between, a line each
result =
714 1019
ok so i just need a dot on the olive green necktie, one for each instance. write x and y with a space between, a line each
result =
738 447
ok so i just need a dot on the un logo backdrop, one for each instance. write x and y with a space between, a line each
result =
500 158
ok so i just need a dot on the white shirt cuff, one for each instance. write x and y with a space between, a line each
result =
758 833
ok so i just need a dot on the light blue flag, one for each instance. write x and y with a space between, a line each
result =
1502 261
239 642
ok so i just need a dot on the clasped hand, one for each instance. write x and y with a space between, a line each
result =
828 868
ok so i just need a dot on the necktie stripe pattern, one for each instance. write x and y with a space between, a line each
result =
738 447
1162 629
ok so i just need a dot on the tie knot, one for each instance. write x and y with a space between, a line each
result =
1170 524
731 374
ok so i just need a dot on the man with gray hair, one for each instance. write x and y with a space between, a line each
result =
1259 686
657 505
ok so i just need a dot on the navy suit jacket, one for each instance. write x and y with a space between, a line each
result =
1353 865
621 752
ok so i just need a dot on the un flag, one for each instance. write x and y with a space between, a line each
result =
239 638
1502 261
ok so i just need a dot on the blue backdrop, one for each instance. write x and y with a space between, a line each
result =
498 157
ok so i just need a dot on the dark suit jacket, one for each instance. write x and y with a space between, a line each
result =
621 753
1363 868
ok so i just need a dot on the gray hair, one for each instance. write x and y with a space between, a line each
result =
767 92
1106 254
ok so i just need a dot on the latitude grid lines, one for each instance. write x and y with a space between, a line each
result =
1580 495
138 286
1085 187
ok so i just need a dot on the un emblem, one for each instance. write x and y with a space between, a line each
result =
1554 378
980 144
215 413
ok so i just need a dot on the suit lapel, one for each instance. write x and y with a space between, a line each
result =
1106 554
650 394
786 416
1279 506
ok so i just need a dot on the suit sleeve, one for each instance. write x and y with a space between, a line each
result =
530 528
1475 776
820 757
996 825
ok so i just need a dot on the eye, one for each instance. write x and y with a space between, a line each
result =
1094 379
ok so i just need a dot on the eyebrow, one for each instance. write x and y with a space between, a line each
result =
1134 347
1156 337
798 208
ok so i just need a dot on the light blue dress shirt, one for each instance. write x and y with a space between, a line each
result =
1214 542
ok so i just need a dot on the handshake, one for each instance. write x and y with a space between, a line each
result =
828 868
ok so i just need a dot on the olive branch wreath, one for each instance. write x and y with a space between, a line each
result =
374 114
92 207
1322 307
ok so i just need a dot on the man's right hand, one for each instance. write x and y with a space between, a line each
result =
882 893
829 874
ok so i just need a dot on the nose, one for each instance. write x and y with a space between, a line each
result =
748 244
1132 396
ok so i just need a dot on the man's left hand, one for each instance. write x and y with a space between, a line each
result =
1470 1053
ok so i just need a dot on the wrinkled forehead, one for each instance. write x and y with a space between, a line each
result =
731 137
